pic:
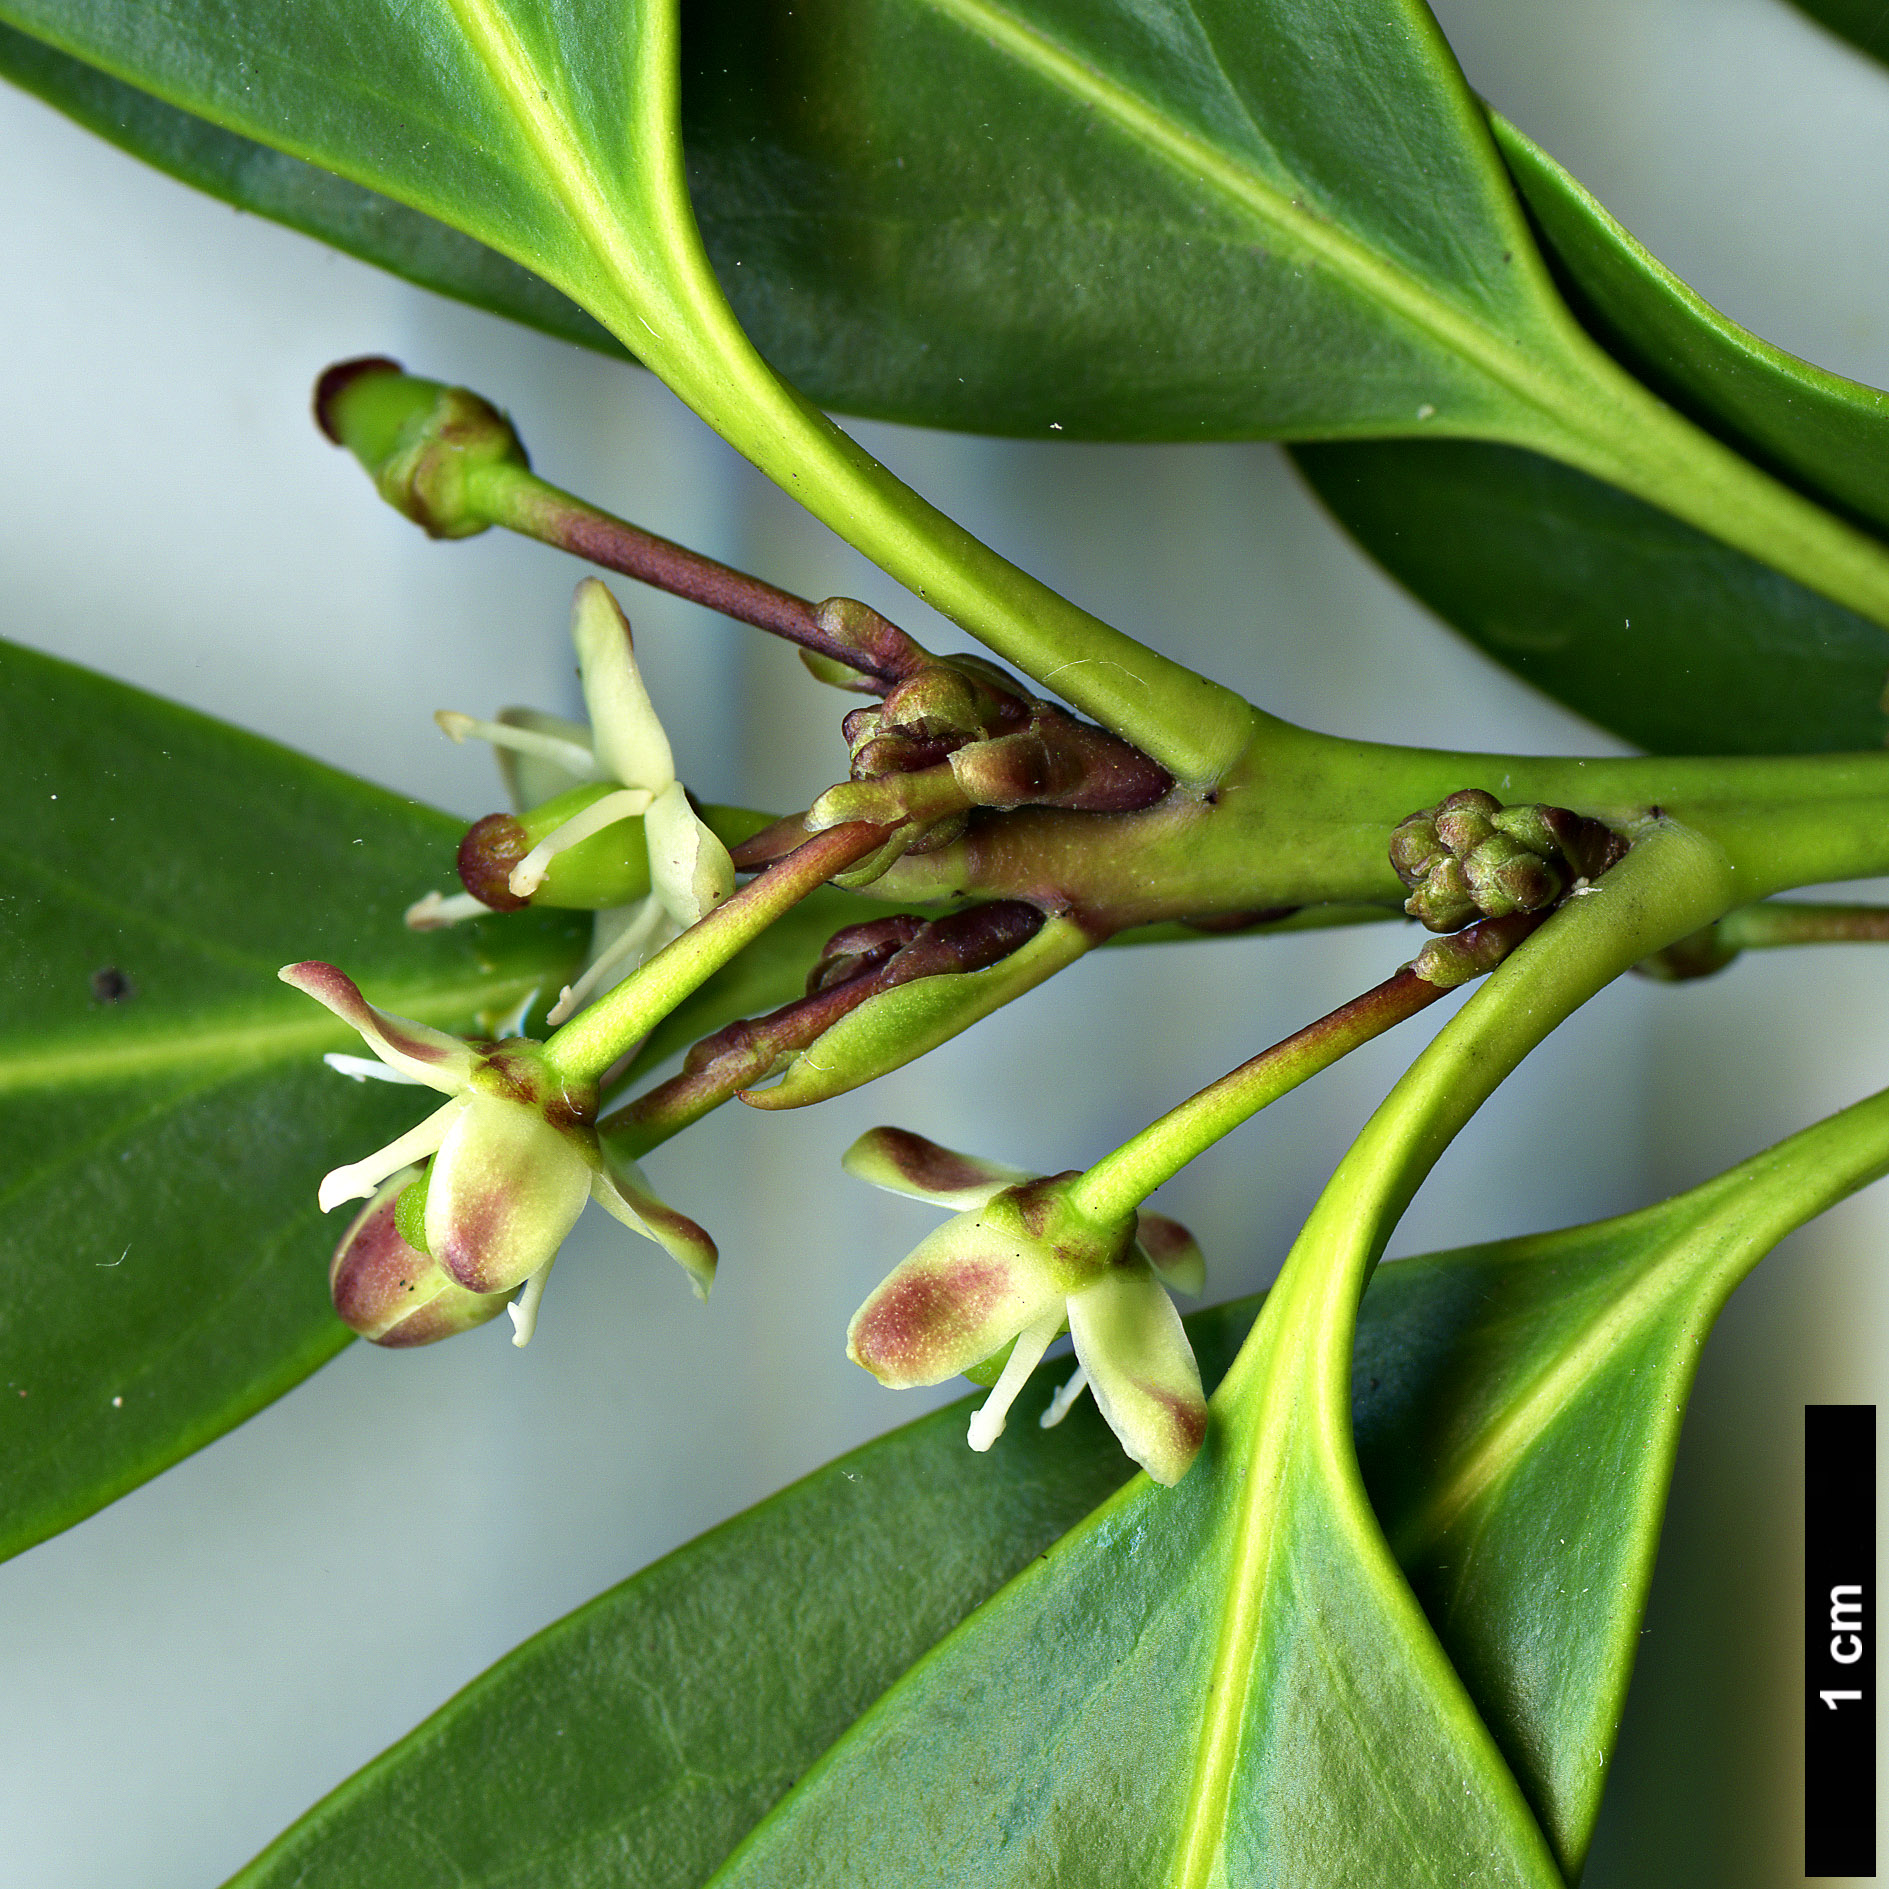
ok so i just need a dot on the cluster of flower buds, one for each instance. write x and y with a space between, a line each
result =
957 733
990 1291
1470 857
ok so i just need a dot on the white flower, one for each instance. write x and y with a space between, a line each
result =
1013 1266
514 1155
624 749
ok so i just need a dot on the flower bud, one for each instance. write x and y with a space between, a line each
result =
389 1291
1415 849
609 868
862 948
423 444
1471 857
1466 819
1504 877
1443 901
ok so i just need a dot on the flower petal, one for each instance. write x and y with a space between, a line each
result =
904 1163
1172 1251
359 1178
626 736
429 1056
962 1294
689 868
437 912
506 1189
623 1190
1141 1369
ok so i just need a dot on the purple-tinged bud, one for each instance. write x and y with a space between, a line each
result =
1589 847
1466 819
1415 848
1016 771
423 444
1443 901
389 1291
892 751
966 941
957 699
1471 856
608 868
886 652
1504 877
862 948
1469 954
488 854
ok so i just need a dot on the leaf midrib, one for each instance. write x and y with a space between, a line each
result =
267 1039
1347 256
1551 1394
542 115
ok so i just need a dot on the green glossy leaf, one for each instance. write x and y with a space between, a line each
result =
1289 268
1817 429
642 1736
1653 629
1506 1397
1233 220
270 183
1637 621
1231 1681
1862 22
550 135
162 1097
1518 1409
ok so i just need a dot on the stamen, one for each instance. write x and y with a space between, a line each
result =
368 1069
634 941
987 1422
569 755
1061 1404
524 1308
435 912
360 1178
528 875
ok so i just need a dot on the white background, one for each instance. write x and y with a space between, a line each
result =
184 1673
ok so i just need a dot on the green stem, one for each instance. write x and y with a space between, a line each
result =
1673 881
1619 431
654 288
1786 922
1118 1183
593 1039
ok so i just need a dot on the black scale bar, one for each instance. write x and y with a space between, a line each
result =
1840 1640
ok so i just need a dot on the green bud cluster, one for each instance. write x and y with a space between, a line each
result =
1470 857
